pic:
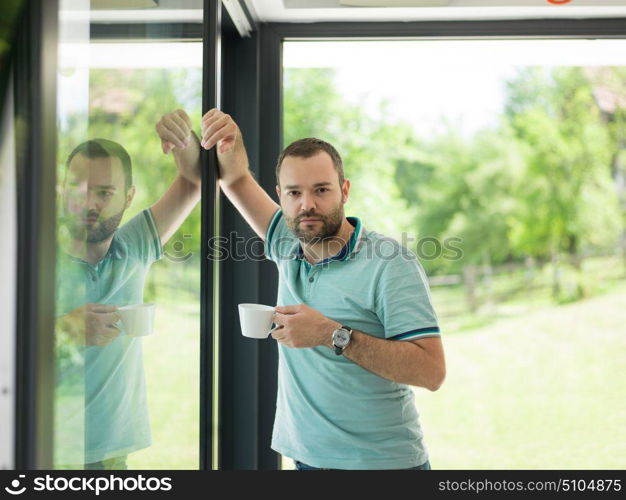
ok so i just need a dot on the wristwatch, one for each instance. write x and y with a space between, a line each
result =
341 339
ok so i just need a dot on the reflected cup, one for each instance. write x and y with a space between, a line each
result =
255 320
137 319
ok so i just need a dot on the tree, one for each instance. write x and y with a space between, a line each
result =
462 189
565 208
368 146
609 91
124 106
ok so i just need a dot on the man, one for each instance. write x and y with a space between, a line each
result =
102 412
355 323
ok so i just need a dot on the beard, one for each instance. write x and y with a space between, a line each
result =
330 225
97 232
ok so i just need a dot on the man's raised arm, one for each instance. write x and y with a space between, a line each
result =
253 203
181 197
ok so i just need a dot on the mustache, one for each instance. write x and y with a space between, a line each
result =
308 215
91 213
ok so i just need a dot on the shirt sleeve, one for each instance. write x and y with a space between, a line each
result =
403 301
279 240
142 237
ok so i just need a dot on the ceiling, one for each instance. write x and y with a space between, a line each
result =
306 11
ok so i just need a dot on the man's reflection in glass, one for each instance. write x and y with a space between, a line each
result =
101 267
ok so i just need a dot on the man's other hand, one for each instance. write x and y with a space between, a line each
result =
220 129
302 326
92 324
175 131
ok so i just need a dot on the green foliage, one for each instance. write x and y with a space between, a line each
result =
462 189
124 106
539 184
11 10
369 148
563 197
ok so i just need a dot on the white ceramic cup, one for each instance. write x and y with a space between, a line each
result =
256 320
137 319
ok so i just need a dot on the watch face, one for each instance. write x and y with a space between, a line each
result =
342 338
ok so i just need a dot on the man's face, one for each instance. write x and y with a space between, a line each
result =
311 198
95 197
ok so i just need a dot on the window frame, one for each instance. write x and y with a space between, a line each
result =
34 73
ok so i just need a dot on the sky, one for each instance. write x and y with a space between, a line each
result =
426 81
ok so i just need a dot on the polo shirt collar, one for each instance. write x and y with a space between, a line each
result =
114 252
349 249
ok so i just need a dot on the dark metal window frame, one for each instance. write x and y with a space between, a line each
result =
251 94
147 31
210 272
523 28
34 72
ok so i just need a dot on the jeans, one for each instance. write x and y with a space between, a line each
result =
301 466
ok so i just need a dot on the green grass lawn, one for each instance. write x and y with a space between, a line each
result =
172 367
543 390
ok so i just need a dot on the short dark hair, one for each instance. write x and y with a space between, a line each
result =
308 147
104 148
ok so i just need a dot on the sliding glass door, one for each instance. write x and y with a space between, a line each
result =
128 269
115 347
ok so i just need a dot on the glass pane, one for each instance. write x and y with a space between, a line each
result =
128 275
502 165
8 267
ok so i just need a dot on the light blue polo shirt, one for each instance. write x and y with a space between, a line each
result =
101 405
330 412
